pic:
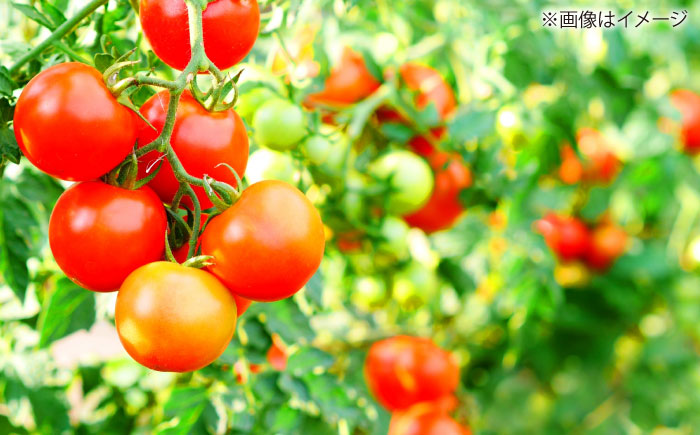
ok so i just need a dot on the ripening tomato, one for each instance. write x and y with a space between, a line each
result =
601 165
277 354
230 28
99 233
403 371
174 318
571 169
608 242
279 124
268 244
431 88
688 103
566 236
425 421
249 102
409 179
201 140
69 125
444 206
349 82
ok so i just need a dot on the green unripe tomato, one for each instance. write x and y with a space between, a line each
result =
368 292
415 285
266 164
317 149
250 102
279 125
394 234
409 177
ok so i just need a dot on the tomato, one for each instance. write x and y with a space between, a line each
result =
268 244
368 292
266 164
608 243
444 206
69 125
279 124
317 149
415 285
409 178
601 164
425 422
99 233
200 139
431 87
688 103
403 371
349 82
567 237
174 318
571 169
277 354
230 28
394 234
249 102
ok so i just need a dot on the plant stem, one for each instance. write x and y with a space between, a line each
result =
57 34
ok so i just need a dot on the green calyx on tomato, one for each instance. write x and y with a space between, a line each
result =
409 180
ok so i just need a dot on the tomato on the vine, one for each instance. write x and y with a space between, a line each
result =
349 82
230 28
566 236
403 371
268 244
174 318
279 124
444 206
100 233
608 242
425 421
688 103
431 87
69 125
201 140
409 178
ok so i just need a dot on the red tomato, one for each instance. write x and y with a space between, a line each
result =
431 88
421 420
403 371
174 318
230 28
688 103
349 82
567 237
201 140
571 169
601 164
444 206
99 233
277 354
69 125
608 243
268 244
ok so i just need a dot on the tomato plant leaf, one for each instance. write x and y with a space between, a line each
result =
286 319
17 227
68 308
33 14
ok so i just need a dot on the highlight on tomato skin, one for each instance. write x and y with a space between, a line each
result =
69 125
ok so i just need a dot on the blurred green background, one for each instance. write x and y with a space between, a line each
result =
619 354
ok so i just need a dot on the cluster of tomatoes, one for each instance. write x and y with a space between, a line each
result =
688 103
415 380
108 232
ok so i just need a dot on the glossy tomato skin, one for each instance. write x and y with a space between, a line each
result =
403 371
688 103
444 206
69 125
99 233
268 244
230 28
349 82
174 318
201 139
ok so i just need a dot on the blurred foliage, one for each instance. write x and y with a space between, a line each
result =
617 356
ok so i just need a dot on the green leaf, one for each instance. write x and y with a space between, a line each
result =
308 359
281 419
33 14
69 308
17 225
186 404
471 124
7 85
286 319
314 288
54 14
103 61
